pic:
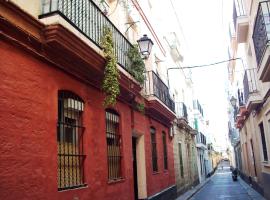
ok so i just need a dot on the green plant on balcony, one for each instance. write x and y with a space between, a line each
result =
140 107
110 84
136 67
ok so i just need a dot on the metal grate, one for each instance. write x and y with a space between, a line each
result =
154 150
113 145
181 110
70 141
250 83
261 32
154 86
165 155
241 100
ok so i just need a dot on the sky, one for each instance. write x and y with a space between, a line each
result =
205 28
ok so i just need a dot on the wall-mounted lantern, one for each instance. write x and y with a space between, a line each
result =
233 101
145 45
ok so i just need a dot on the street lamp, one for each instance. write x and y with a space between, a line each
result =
145 45
233 101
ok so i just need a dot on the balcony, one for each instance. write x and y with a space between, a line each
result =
241 21
181 110
261 38
241 111
240 96
201 141
89 20
197 107
251 93
182 115
155 87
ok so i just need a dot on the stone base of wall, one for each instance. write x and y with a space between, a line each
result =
253 183
266 184
167 194
184 189
211 173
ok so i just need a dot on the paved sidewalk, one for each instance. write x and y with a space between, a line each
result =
187 195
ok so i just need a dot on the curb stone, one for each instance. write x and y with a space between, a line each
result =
189 194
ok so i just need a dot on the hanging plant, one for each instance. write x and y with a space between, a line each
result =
110 84
140 107
136 67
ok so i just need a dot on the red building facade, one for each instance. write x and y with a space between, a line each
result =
39 62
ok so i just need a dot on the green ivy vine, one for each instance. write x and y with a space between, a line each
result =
136 67
140 107
110 84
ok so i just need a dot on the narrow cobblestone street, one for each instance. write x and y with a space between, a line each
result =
221 186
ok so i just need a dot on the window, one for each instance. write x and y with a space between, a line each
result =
180 160
114 154
154 149
165 158
264 148
70 141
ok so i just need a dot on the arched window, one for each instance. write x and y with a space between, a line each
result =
165 156
114 143
70 141
154 149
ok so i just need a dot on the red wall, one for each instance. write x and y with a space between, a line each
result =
28 144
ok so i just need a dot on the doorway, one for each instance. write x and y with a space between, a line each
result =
134 154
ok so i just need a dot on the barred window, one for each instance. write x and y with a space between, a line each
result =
165 158
154 149
114 153
70 141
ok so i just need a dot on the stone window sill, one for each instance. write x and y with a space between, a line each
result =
120 180
155 173
266 163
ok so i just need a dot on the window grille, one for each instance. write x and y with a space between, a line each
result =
154 150
165 157
70 141
114 141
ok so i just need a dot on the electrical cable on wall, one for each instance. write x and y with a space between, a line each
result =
205 65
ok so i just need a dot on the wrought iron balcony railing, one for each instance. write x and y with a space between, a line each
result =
261 32
200 138
154 86
234 15
87 18
197 106
241 101
238 10
181 110
250 83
